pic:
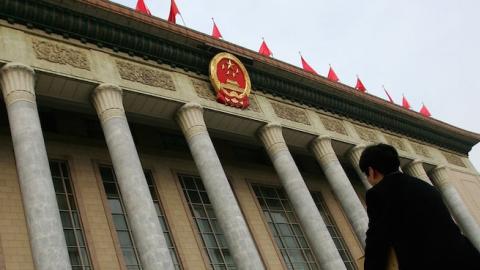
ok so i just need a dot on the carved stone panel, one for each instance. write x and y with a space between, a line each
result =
396 142
454 159
203 89
421 150
333 125
59 53
290 113
253 104
366 134
145 75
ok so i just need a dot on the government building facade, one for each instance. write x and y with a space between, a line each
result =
127 142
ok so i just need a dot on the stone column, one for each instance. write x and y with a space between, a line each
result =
354 156
341 186
45 229
415 169
459 210
240 243
315 229
147 233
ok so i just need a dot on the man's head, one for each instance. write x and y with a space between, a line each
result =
378 160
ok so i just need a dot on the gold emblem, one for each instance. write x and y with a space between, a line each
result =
230 80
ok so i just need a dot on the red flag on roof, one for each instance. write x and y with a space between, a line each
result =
332 76
424 111
306 66
388 95
360 85
264 50
142 8
173 12
215 31
405 103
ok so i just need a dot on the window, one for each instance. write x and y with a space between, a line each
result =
207 224
161 218
332 228
119 217
285 228
72 227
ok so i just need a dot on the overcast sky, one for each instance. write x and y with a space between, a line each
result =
428 50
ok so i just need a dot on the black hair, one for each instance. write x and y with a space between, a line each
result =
382 157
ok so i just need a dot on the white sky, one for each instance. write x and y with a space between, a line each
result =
428 50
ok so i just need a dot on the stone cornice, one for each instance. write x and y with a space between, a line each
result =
110 25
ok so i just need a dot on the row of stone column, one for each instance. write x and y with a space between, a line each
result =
46 234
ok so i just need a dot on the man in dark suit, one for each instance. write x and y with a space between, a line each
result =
409 215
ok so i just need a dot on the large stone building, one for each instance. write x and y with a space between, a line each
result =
115 154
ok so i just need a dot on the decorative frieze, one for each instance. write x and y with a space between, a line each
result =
420 150
203 89
145 75
396 142
290 113
366 134
453 159
61 54
333 125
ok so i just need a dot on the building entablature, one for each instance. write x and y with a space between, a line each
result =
69 67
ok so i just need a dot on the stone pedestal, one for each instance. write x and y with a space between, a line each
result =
145 226
312 223
459 210
239 241
341 186
45 229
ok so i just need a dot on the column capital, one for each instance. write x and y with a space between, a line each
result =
322 148
190 119
415 168
272 137
440 175
107 100
17 81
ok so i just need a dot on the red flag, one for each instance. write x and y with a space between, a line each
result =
306 66
424 111
388 95
332 76
215 31
405 103
360 85
142 8
264 50
173 12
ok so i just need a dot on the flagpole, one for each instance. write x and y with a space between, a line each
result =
181 17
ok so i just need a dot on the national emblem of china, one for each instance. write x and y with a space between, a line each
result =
230 80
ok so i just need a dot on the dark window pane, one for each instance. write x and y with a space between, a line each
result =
79 235
69 216
209 240
58 185
70 237
115 206
62 202
204 225
66 221
110 189
120 223
124 238
198 211
194 197
215 256
129 256
74 256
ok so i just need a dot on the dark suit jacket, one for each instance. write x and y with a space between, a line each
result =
409 215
